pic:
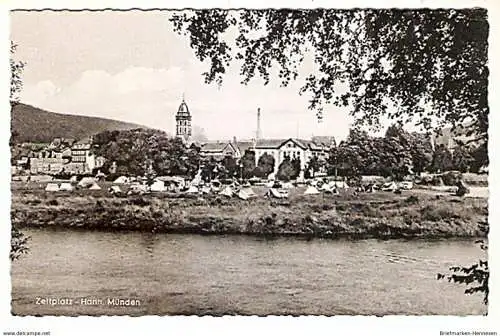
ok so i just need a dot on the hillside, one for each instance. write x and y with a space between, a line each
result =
31 124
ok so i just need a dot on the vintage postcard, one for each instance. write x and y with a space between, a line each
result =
250 161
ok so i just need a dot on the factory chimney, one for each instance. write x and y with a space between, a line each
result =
258 134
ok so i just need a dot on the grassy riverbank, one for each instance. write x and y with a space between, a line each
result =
412 214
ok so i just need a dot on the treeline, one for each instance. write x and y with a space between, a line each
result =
400 153
137 152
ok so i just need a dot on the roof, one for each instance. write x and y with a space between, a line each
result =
214 146
277 143
84 141
270 143
244 145
323 140
183 110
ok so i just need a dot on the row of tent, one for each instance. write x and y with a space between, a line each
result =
66 186
228 191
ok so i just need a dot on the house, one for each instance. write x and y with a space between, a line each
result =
61 143
219 150
245 145
292 148
82 158
46 162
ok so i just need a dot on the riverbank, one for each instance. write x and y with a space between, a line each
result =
380 215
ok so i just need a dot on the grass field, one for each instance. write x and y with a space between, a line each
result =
415 213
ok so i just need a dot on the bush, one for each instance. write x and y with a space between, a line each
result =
140 201
451 178
412 199
53 202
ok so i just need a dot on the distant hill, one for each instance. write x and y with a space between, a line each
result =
32 124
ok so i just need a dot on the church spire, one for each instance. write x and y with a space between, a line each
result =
183 121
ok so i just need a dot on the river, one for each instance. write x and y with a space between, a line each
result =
191 274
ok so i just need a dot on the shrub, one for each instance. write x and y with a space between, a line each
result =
451 178
412 200
140 201
52 202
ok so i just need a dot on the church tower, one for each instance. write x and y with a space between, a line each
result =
183 121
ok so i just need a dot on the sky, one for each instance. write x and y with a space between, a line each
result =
131 66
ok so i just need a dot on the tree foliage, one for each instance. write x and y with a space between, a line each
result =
229 167
135 150
462 159
210 169
442 159
248 163
313 166
18 243
16 72
18 240
361 154
475 277
265 165
286 170
432 63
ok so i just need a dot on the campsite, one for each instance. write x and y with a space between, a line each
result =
328 209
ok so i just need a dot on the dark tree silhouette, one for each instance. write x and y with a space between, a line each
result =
419 57
265 165
248 163
18 241
476 277
16 72
286 170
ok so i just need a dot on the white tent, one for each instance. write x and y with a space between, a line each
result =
86 182
115 189
339 184
288 185
121 180
270 184
73 178
227 191
301 178
246 193
390 186
330 189
158 186
206 189
192 190
197 179
271 177
277 193
66 187
95 186
216 185
311 191
326 186
52 187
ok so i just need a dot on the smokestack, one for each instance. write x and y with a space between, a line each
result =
258 134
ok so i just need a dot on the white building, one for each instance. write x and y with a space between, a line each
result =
279 149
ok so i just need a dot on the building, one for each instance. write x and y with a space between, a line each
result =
46 162
183 128
219 150
82 159
292 148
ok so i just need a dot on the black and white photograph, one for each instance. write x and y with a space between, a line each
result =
249 161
